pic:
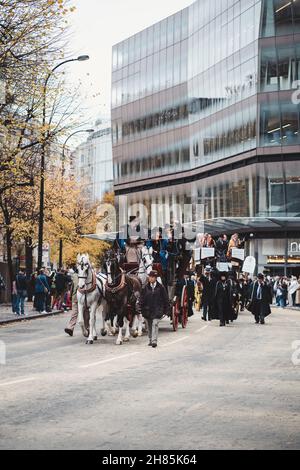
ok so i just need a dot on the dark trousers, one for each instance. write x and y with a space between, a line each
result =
259 312
40 301
207 309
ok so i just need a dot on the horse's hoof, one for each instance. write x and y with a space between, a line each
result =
95 338
103 333
126 340
89 342
135 334
140 335
119 343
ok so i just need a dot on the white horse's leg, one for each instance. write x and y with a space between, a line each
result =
115 325
80 320
127 330
93 334
120 337
140 325
135 325
104 328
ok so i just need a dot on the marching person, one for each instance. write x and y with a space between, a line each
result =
73 320
198 295
297 299
292 290
154 304
223 300
260 300
209 284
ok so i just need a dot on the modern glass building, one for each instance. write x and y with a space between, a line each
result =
92 162
205 109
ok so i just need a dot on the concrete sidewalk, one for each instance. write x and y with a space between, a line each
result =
7 316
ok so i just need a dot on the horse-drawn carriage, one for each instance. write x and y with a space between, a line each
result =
118 288
138 260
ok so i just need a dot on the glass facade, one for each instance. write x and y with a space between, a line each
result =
263 190
213 82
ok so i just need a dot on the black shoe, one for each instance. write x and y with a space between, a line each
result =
262 322
69 332
204 319
150 344
154 345
222 324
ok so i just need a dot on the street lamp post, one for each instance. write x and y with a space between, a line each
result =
45 134
89 131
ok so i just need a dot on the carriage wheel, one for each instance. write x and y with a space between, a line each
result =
175 316
184 309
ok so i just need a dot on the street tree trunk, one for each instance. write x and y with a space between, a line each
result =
9 260
29 256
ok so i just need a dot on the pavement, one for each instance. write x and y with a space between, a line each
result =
7 316
205 387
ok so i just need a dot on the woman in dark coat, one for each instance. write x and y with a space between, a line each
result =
223 300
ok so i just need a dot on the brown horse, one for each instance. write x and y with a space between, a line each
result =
122 293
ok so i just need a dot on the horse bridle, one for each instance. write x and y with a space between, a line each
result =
86 277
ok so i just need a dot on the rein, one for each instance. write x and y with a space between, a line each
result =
85 290
114 290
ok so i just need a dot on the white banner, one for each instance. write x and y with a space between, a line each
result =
197 255
207 253
249 265
223 267
238 254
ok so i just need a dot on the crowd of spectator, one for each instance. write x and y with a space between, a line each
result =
47 290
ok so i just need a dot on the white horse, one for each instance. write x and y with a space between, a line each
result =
90 295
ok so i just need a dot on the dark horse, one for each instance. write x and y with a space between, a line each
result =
122 292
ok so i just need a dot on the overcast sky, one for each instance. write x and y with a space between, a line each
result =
99 24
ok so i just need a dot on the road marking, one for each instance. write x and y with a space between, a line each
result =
19 381
202 329
25 343
105 361
175 342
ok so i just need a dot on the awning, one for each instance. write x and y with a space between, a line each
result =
227 225
247 224
107 236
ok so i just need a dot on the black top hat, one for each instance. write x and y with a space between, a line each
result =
153 274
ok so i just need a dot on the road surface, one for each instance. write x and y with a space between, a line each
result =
203 388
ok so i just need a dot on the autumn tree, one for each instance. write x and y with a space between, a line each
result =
70 216
32 38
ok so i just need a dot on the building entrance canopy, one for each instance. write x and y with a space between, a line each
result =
248 224
228 226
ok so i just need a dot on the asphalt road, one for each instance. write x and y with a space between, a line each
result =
203 388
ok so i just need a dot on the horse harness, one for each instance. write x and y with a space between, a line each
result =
85 291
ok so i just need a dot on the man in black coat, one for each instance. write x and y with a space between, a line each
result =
224 294
260 300
154 304
208 295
